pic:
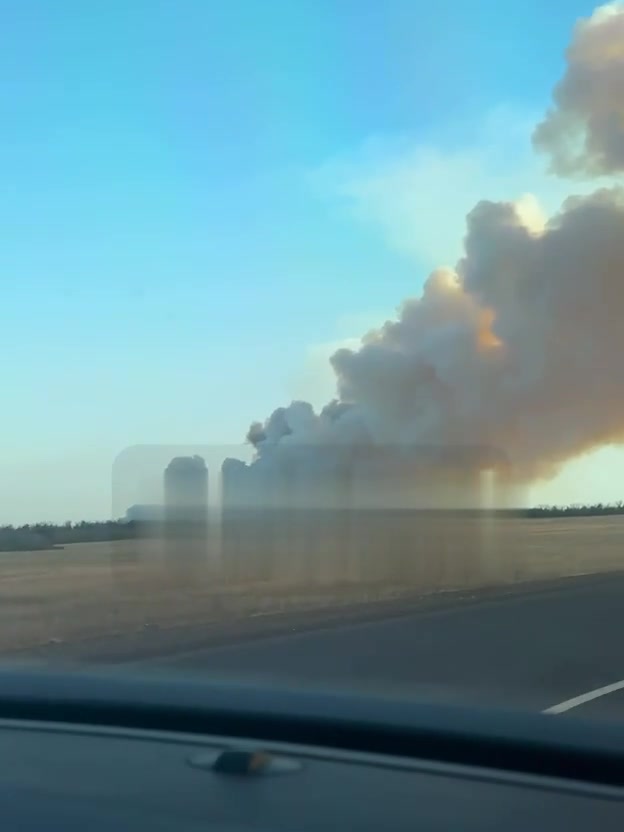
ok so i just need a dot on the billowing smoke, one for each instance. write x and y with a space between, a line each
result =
584 131
520 347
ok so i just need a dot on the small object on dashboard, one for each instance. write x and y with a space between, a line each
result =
245 762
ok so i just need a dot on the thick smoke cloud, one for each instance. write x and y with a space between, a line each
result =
520 347
584 131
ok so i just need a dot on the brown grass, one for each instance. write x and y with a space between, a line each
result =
92 589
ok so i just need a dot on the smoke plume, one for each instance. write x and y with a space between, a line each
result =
519 348
584 131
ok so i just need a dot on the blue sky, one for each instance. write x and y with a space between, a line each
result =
174 262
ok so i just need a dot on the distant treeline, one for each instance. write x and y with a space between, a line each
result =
33 536
48 535
595 510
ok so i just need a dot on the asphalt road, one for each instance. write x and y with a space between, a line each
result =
533 647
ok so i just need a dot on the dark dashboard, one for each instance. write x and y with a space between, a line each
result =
104 752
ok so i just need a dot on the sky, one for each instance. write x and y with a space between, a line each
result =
201 201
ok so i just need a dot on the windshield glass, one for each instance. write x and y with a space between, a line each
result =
312 338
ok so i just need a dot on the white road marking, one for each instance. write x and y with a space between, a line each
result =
562 707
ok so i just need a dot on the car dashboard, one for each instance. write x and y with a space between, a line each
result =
103 753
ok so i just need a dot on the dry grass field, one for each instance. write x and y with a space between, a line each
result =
84 591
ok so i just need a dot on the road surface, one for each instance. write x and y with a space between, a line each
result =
559 644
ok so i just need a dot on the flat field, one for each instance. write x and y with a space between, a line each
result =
91 590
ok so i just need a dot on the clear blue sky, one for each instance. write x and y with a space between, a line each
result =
167 260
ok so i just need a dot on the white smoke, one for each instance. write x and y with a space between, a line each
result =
519 348
584 131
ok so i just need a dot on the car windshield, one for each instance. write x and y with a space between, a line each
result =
313 352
